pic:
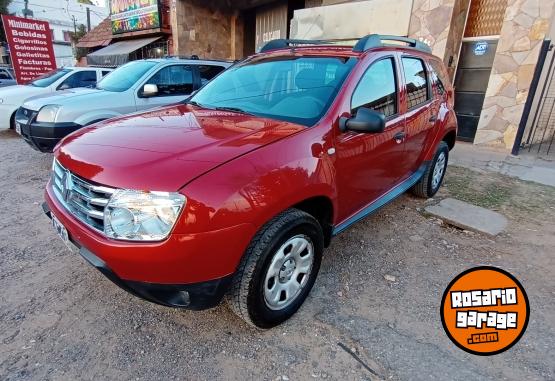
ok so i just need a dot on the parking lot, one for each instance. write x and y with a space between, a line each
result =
373 313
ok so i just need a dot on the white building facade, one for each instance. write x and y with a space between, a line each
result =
61 14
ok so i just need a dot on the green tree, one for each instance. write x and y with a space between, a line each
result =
75 37
88 2
4 11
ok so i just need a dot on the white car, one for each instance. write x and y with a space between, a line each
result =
12 97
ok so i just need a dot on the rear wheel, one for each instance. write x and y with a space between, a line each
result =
278 269
435 172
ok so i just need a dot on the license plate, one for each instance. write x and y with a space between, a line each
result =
61 230
18 128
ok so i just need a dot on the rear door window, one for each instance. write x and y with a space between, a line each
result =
377 89
416 80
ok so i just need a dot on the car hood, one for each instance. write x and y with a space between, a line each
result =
164 149
15 95
62 97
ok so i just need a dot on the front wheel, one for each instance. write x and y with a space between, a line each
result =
435 172
278 269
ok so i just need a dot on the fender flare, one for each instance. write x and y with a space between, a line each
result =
95 116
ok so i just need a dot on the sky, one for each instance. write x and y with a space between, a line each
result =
101 3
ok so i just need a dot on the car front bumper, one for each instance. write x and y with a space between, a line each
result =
185 271
42 136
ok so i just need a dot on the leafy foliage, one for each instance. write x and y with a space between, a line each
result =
75 37
4 11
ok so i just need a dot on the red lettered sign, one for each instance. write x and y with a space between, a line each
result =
31 49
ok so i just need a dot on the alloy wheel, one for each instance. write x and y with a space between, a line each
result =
288 272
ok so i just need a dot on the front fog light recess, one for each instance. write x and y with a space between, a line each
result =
142 216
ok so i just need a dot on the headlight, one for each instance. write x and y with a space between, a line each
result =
142 216
48 114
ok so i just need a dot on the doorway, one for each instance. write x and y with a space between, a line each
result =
471 83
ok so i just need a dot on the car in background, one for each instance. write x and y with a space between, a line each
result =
7 76
138 85
12 97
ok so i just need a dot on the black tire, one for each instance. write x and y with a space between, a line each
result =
246 296
424 188
12 122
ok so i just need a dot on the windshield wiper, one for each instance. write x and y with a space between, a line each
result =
233 109
220 108
195 103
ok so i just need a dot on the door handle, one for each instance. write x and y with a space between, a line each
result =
399 137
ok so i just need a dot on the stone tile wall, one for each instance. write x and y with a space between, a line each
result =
207 31
524 27
440 23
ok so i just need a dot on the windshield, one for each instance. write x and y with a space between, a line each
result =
295 89
125 76
49 78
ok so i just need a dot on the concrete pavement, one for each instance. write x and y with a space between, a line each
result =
525 166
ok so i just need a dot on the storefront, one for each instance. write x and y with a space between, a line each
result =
136 29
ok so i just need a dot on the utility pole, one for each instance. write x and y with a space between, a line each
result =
74 25
88 19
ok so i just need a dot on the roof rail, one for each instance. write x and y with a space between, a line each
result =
180 57
376 41
282 43
367 42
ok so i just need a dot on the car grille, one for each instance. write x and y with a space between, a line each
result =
84 200
25 117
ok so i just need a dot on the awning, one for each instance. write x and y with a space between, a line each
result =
117 53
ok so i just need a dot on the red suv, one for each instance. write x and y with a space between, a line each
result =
238 190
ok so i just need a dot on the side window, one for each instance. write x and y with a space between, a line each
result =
85 78
173 80
416 81
377 90
438 76
4 75
105 73
208 72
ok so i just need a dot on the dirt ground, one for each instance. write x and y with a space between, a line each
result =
62 320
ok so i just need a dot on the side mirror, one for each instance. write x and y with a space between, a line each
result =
150 90
63 86
365 120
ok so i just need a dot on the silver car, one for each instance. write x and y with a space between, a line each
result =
135 86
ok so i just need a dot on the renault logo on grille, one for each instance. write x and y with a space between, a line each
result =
67 185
